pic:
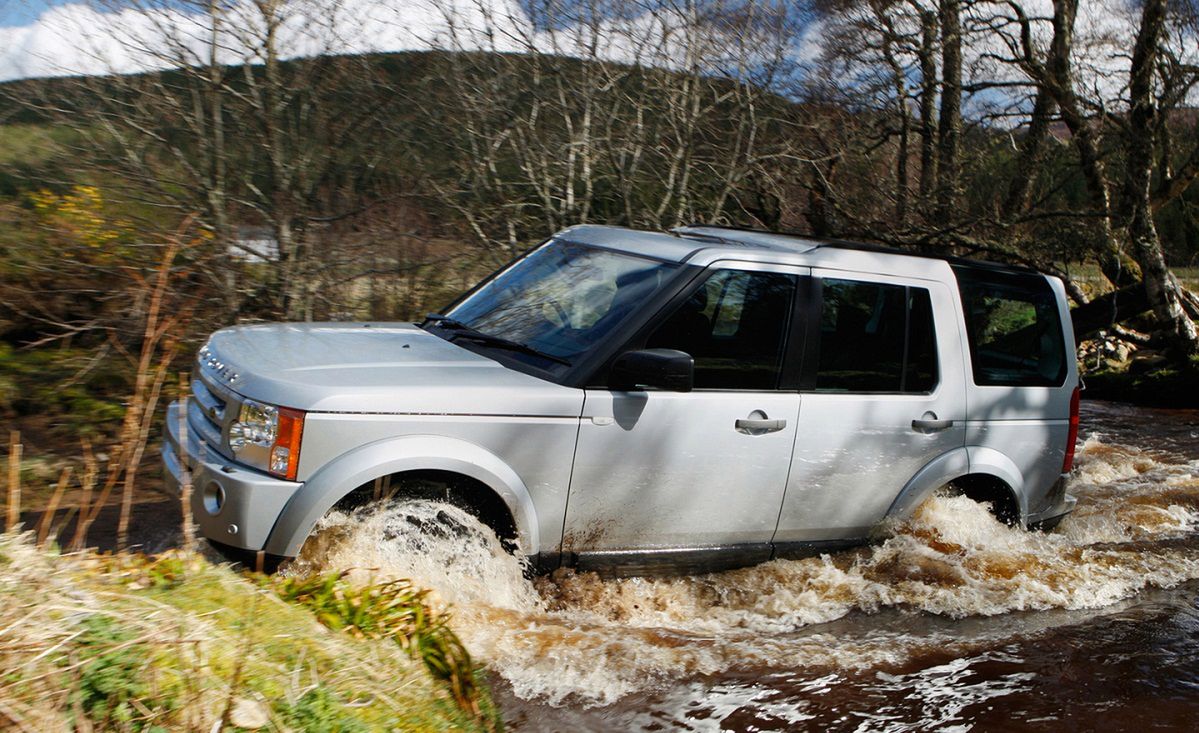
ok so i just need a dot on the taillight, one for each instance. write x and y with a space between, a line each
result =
285 453
1072 438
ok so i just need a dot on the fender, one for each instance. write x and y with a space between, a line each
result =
395 455
957 463
994 463
935 474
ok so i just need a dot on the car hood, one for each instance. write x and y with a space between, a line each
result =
374 368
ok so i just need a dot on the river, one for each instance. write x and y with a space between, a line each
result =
955 622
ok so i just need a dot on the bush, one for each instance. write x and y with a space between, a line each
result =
111 679
128 643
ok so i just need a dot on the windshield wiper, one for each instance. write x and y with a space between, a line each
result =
437 319
463 331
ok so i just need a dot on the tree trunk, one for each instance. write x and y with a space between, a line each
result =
1117 266
1162 289
819 209
1031 148
218 202
950 124
900 89
928 104
1108 309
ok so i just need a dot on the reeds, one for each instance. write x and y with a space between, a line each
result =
185 483
13 516
48 528
43 529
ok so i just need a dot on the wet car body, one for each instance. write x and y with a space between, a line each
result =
646 402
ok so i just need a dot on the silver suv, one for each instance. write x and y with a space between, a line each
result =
640 402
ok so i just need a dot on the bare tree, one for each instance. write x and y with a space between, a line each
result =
1007 73
252 115
646 114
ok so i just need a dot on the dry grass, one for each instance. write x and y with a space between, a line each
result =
129 643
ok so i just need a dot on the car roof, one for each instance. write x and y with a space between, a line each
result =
704 244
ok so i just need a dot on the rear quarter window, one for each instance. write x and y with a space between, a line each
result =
1014 329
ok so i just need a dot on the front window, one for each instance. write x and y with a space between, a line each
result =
735 327
562 299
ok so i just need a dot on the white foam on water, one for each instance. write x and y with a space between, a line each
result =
575 636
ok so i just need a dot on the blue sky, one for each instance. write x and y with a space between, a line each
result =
21 12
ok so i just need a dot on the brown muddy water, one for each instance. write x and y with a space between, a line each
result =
954 623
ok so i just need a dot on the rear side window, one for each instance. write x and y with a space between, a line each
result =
875 337
1014 329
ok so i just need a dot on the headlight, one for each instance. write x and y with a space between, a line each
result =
257 424
268 437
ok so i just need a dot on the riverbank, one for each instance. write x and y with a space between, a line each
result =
1165 386
129 643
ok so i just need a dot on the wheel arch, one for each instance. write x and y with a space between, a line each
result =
983 474
360 467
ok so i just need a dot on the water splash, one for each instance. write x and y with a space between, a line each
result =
436 545
575 636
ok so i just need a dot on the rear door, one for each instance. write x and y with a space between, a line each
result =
883 395
1023 376
703 470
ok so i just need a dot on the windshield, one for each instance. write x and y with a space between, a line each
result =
562 299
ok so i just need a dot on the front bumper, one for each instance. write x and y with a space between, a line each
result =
252 500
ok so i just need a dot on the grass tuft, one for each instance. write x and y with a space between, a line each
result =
126 642
394 610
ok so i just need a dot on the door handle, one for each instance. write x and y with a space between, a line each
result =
758 423
931 426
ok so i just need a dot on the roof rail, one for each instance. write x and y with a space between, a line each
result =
818 243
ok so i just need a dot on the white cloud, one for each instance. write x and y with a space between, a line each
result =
153 34
79 39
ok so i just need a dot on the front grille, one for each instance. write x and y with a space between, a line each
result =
212 406
210 410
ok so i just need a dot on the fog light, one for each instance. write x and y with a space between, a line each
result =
214 497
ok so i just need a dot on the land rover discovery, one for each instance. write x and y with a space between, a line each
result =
641 402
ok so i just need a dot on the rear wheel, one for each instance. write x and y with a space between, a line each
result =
990 491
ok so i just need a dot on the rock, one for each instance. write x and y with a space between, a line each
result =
1121 352
1146 360
249 714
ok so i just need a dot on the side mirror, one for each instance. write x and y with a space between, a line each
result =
667 369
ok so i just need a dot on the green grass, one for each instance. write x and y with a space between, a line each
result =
128 643
33 144
1089 273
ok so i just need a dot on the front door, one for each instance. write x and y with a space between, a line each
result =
884 395
658 473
